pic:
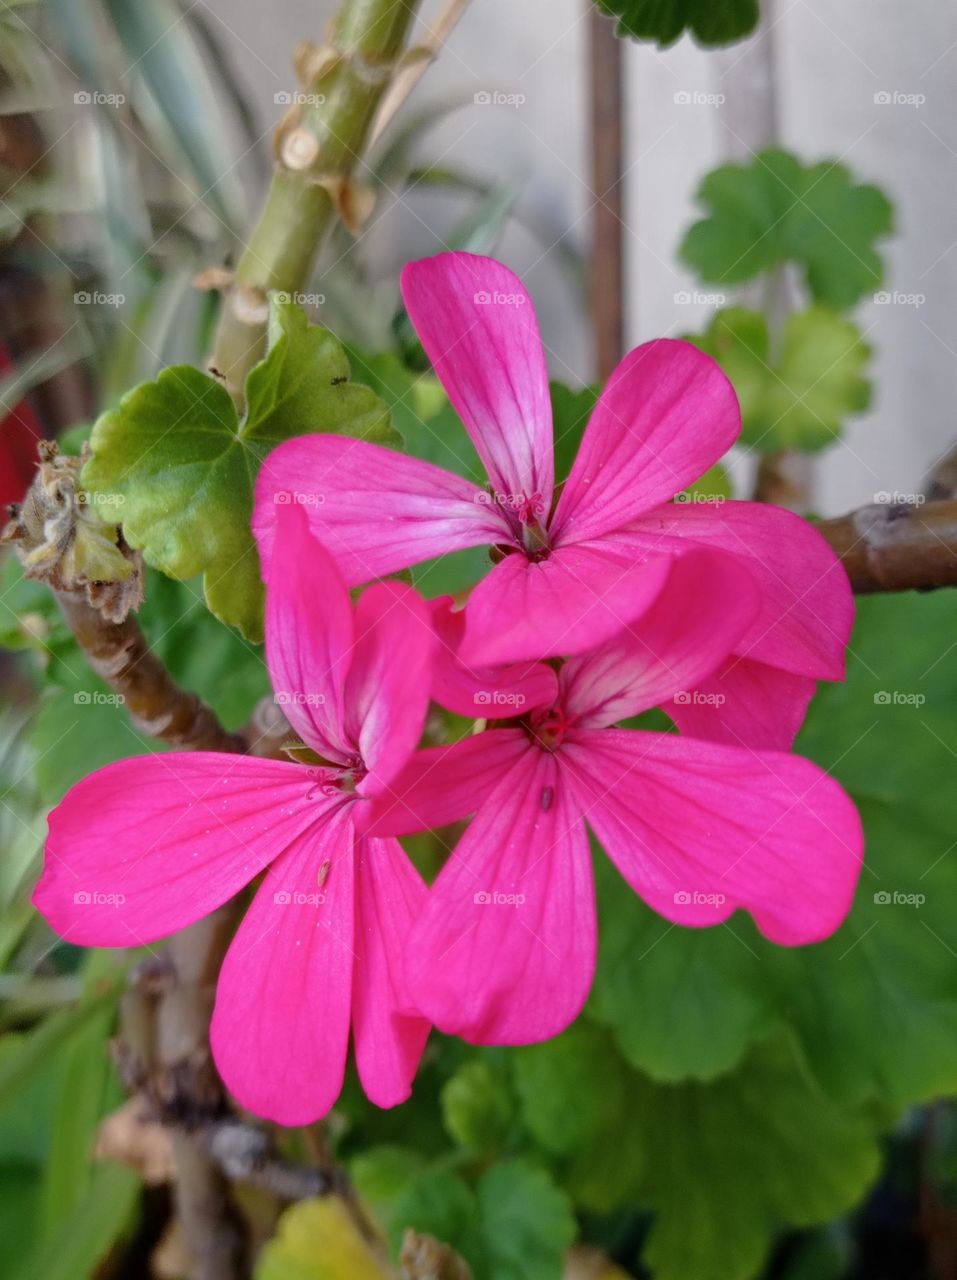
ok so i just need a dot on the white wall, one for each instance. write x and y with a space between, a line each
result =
830 61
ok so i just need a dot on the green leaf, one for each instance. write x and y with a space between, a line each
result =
182 466
714 484
21 813
86 1089
319 1240
86 1235
380 1174
590 1132
78 727
197 648
527 1222
32 1052
685 1004
432 431
777 210
438 1203
430 427
800 397
514 1224
476 1107
664 21
724 1164
875 1006
571 410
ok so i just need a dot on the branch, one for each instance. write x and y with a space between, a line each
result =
784 479
316 146
157 706
897 548
164 1054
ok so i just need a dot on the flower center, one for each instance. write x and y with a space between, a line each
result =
547 728
535 540
337 779
526 514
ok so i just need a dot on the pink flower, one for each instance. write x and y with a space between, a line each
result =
577 564
504 951
145 847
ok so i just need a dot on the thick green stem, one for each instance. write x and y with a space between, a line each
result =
317 146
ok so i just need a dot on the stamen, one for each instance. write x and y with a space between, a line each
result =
548 728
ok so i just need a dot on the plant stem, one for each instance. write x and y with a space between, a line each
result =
158 707
897 548
317 145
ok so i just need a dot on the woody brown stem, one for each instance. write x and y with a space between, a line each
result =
897 548
158 707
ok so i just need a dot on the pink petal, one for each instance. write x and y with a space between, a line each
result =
144 847
483 692
699 829
703 609
387 690
478 327
576 599
443 784
745 703
375 510
808 611
504 951
667 414
280 1028
308 635
390 895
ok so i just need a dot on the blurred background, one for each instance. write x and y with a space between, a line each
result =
812 79
869 84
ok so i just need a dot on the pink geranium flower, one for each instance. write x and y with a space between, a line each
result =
144 847
575 565
504 951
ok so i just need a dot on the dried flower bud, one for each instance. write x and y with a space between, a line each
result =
62 541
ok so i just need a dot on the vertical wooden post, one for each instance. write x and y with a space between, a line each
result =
606 266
